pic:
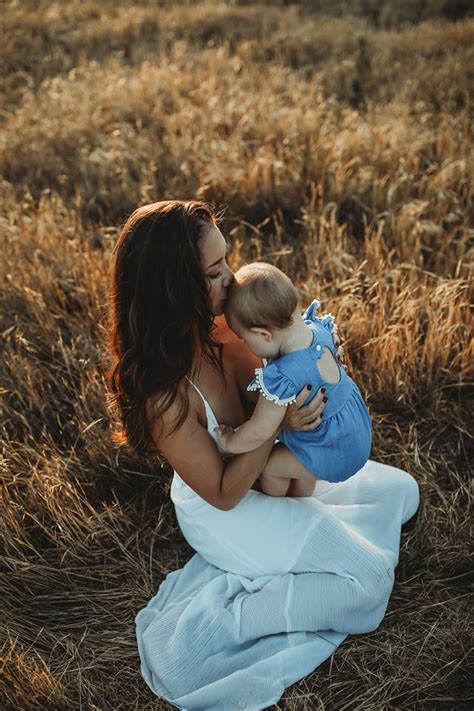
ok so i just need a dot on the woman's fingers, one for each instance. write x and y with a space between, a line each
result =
316 402
312 419
303 395
311 414
301 417
312 424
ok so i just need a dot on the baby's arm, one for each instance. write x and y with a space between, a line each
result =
264 422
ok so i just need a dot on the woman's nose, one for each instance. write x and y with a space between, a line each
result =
229 277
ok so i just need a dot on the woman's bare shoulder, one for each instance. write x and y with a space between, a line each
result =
161 418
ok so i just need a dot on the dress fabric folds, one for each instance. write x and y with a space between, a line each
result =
275 585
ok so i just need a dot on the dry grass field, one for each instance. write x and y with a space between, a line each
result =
339 137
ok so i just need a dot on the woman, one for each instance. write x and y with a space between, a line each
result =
179 370
171 342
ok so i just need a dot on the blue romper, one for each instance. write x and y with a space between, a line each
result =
340 446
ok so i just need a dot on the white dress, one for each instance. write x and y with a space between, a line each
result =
270 535
275 585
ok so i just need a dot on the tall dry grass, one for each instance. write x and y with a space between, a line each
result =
340 141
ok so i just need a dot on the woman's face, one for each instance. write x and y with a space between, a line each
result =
218 275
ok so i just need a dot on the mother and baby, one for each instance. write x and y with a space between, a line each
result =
269 438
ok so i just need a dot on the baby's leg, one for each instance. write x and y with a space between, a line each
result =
284 475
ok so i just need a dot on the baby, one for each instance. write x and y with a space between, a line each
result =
262 309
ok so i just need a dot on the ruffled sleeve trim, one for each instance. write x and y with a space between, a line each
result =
259 384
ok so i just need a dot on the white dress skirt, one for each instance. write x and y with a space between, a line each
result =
275 585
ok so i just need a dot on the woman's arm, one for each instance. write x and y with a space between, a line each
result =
242 471
191 451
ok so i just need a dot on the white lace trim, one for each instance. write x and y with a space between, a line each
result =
331 321
260 385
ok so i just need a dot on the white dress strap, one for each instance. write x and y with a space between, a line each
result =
210 417
211 421
196 388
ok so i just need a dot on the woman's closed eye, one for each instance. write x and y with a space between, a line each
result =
216 275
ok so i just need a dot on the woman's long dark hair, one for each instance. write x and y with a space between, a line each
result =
158 313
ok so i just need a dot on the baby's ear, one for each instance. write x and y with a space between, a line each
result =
264 332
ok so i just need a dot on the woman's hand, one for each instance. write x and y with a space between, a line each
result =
305 417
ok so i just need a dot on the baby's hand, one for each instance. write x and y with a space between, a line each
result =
224 432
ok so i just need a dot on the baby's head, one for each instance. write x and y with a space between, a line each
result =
260 306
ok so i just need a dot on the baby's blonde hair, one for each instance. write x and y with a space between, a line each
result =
261 295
